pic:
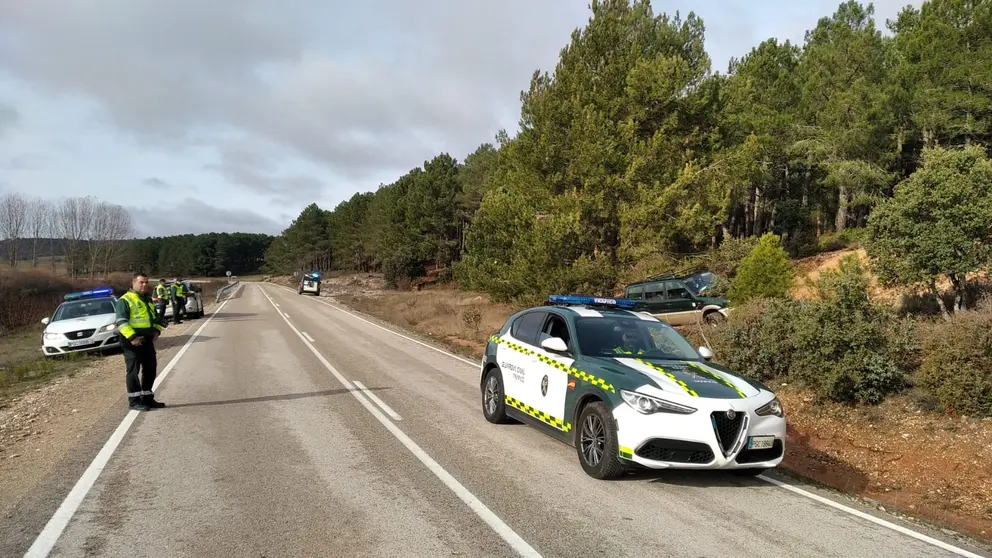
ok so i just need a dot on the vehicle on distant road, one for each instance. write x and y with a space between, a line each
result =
627 391
83 323
679 300
194 300
309 283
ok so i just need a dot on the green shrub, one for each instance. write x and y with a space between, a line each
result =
956 368
765 273
756 340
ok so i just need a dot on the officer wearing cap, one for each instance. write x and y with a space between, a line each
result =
138 327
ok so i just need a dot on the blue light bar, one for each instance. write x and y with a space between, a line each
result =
592 301
105 291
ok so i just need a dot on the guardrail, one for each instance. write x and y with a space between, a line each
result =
226 289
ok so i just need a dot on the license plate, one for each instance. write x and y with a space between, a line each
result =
760 442
72 344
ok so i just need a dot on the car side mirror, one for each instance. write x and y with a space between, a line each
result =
45 320
706 353
555 345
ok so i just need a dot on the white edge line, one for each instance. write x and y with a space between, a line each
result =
796 490
872 518
310 339
484 513
377 401
52 531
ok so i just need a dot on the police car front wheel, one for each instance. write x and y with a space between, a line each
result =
596 442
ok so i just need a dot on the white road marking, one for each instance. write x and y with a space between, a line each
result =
379 402
778 483
310 339
46 540
872 518
480 509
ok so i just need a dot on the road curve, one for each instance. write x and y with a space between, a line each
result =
265 451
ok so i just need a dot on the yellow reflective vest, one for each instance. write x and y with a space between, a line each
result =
178 289
161 292
136 316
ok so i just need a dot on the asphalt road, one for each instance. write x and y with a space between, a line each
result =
271 447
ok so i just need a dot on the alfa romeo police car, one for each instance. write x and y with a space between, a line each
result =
627 390
83 323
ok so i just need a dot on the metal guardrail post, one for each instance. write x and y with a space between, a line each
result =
223 290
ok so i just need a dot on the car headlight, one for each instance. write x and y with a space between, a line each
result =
646 405
772 408
110 327
53 336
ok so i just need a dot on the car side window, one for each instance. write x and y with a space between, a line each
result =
654 291
556 327
525 327
635 293
677 290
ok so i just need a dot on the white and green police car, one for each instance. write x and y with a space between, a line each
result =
627 391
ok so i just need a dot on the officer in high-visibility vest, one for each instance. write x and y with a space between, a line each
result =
138 327
178 300
161 299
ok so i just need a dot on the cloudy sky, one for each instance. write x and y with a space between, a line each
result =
233 115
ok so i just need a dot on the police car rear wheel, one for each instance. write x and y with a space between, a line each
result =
597 443
493 400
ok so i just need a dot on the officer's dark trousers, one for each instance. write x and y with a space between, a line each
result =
177 309
160 309
142 363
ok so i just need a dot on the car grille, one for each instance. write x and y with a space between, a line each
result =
675 451
80 334
728 430
759 455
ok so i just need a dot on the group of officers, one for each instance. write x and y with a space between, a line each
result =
140 320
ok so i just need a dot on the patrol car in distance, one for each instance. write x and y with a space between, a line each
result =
309 283
194 300
83 323
627 391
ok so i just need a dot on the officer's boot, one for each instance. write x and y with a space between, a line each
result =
137 403
149 401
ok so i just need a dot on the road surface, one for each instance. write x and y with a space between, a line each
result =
272 446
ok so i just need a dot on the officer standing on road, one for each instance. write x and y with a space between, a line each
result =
178 300
162 296
138 327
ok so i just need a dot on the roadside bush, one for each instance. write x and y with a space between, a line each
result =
756 340
765 273
28 296
956 367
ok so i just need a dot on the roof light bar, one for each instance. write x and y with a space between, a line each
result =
105 291
567 300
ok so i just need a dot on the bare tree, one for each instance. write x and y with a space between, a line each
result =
120 229
13 218
39 217
75 226
53 231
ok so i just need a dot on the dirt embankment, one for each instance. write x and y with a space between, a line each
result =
894 455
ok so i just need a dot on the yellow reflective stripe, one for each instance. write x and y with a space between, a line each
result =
571 371
141 313
709 374
127 331
661 370
626 453
539 415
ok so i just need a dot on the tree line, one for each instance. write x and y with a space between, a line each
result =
634 151
96 238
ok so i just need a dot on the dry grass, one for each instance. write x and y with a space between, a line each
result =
23 367
28 296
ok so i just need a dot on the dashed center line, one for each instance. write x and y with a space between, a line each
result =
307 335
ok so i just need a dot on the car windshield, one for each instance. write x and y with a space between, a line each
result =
700 282
618 337
84 308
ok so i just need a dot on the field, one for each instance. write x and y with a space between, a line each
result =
896 455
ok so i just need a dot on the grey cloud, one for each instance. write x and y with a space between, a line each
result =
258 172
23 161
430 76
195 217
9 117
155 182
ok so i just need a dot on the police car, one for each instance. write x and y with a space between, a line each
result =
194 301
83 323
309 283
627 391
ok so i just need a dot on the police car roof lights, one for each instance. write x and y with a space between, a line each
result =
105 291
567 300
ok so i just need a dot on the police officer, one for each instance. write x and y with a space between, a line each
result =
162 296
138 327
178 300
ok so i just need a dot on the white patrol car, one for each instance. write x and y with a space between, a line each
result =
309 283
627 391
83 323
194 301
